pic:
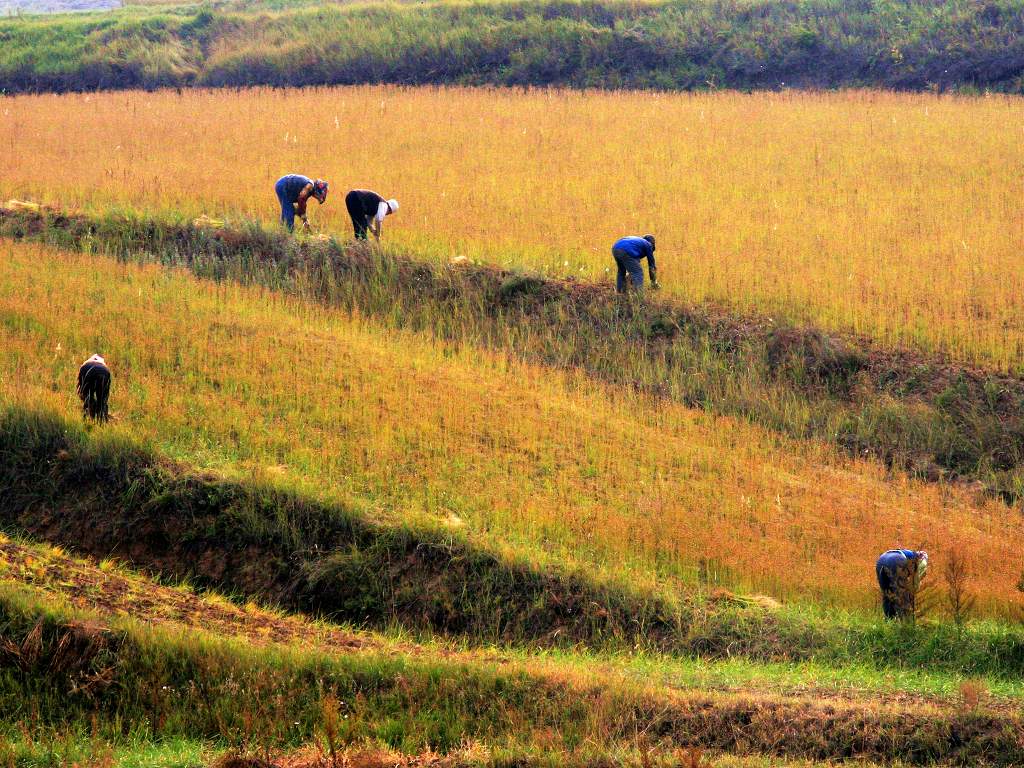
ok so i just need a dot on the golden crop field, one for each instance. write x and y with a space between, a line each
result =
248 381
893 215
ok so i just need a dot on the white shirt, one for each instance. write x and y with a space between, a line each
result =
382 210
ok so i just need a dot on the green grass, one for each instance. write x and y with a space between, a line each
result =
79 746
670 45
78 683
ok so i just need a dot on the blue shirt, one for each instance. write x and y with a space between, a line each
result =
636 247
289 186
895 558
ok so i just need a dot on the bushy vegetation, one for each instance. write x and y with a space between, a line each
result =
682 44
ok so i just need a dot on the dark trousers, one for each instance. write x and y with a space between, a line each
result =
94 390
896 580
287 206
627 265
360 221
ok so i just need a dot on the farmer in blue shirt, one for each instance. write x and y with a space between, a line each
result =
899 574
628 252
293 192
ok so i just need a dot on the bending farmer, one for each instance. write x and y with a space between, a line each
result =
899 574
94 388
293 192
628 253
368 210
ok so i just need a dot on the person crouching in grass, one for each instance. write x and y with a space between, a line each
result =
293 192
628 252
899 573
94 388
368 210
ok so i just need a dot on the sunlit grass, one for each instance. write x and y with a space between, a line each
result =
251 382
892 215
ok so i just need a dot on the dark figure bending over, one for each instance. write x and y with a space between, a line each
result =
899 574
368 210
94 388
628 253
293 192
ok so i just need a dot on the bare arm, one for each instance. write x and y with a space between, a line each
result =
378 221
303 201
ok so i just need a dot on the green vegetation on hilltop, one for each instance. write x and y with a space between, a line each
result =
682 44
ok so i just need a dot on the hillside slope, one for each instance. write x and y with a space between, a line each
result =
682 44
241 380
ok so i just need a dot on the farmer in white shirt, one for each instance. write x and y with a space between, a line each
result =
368 210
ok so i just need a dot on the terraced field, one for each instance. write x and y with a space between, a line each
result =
497 583
252 383
890 215
371 506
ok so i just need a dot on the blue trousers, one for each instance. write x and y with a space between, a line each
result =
287 206
627 265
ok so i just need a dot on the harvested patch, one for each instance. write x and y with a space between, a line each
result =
16 206
111 591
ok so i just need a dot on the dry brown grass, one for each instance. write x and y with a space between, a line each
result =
895 215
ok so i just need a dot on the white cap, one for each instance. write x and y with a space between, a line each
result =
96 359
393 204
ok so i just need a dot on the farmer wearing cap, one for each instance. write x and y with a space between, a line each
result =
368 210
628 252
899 573
293 192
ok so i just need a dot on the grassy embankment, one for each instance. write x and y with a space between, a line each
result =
197 674
402 447
675 45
